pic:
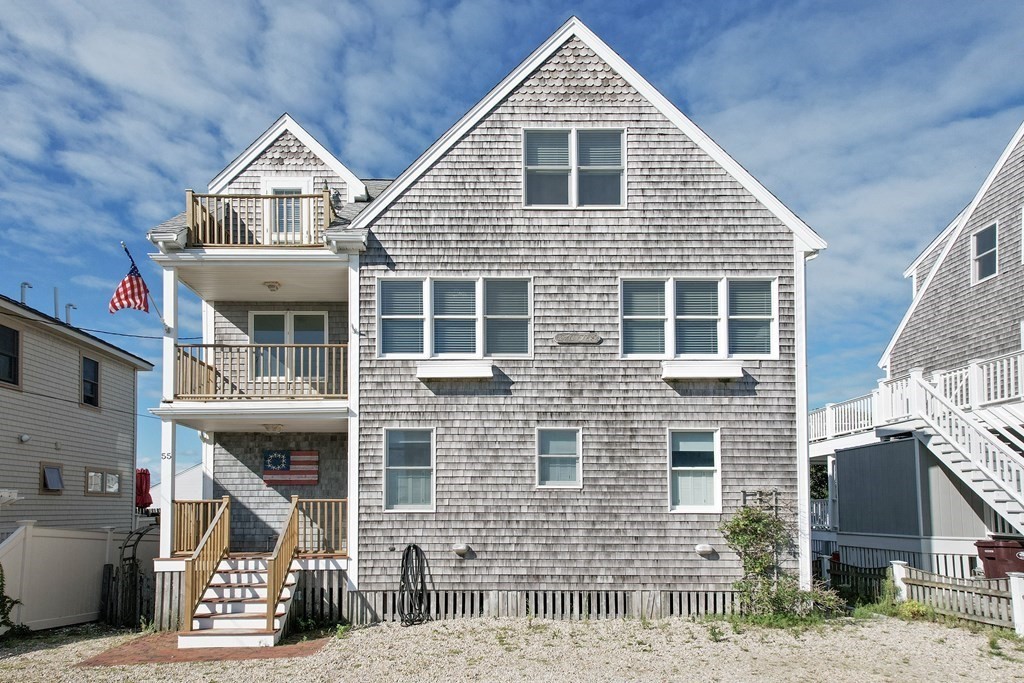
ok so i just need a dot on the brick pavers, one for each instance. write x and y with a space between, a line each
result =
162 648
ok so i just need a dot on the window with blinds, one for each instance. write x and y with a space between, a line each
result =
750 317
643 317
693 471
401 316
454 318
558 458
408 469
574 168
690 319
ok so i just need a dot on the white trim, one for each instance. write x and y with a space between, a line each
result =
688 369
669 319
252 258
807 240
428 319
939 239
716 507
384 470
355 187
353 339
961 223
168 564
803 460
458 369
255 410
574 169
578 484
975 255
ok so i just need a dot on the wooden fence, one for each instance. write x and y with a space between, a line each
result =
856 584
986 601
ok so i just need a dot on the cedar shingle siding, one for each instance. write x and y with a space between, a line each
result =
685 216
955 321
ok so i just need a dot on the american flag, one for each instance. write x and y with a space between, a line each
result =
131 293
291 467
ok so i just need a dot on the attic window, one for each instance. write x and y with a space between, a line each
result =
574 168
985 248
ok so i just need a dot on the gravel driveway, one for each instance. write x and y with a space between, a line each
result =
879 649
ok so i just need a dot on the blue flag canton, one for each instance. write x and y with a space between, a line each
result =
277 461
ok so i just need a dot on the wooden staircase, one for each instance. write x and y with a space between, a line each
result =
232 611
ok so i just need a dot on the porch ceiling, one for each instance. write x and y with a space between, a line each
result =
255 416
229 275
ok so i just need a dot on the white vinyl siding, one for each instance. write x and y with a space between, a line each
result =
408 469
454 318
699 318
694 471
574 168
558 458
985 252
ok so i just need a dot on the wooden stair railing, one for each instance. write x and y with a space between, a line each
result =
280 563
323 526
191 520
201 566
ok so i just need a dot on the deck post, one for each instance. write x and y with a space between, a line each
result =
826 569
1017 601
167 458
899 572
830 420
975 385
916 392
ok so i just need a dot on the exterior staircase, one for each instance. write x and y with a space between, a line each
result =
232 611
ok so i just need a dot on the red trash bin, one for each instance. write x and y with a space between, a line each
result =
1000 557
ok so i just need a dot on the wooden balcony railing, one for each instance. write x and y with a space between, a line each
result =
201 566
323 523
191 520
233 371
280 562
257 220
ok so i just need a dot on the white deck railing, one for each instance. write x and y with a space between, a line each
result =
977 385
821 513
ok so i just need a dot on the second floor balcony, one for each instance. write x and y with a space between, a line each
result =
207 372
283 220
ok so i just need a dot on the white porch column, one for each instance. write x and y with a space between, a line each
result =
354 338
167 458
803 456
170 331
916 392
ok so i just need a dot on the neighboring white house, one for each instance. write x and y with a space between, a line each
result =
188 485
67 423
932 461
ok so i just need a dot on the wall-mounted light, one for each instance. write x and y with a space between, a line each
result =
460 549
704 549
272 285
274 429
24 438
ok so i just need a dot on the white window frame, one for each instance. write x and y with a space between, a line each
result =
975 256
537 456
428 318
103 474
268 184
716 508
289 335
574 168
669 318
384 470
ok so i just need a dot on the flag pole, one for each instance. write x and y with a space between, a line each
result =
151 299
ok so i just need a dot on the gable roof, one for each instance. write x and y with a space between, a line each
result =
933 246
356 188
954 231
807 239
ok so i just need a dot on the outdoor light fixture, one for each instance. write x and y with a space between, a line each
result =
460 549
24 438
704 549
272 285
274 429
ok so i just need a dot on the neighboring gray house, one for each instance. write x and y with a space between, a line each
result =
554 353
67 424
948 470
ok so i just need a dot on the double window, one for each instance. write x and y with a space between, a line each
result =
699 318
694 471
985 249
90 382
574 167
408 469
558 458
454 318
288 344
10 356
102 482
287 213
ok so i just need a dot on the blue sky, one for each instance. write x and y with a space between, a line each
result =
876 122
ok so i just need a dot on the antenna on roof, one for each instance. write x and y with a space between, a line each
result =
56 303
24 286
67 312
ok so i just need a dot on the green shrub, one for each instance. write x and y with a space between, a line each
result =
6 604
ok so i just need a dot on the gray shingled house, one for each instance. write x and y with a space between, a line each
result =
554 354
931 461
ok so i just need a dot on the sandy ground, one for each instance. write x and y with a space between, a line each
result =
878 649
